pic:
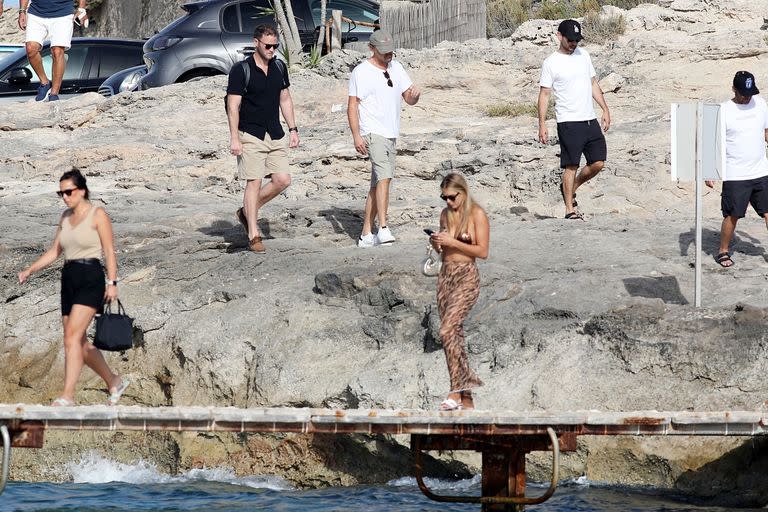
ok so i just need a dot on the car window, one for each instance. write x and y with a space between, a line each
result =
229 20
349 9
75 57
256 13
116 58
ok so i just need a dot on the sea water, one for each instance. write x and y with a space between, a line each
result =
97 484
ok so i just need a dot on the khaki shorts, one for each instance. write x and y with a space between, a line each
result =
381 151
261 158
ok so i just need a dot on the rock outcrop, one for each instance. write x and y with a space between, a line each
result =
572 315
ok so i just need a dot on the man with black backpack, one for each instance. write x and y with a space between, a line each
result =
256 94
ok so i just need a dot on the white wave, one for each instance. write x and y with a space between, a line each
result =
92 468
438 484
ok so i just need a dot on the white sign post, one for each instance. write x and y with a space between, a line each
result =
698 154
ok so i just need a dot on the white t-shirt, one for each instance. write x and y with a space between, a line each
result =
380 104
745 127
570 78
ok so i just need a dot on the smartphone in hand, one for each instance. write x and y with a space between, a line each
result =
429 232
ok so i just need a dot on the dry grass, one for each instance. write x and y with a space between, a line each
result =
599 29
516 109
504 16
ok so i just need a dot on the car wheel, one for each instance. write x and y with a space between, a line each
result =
197 73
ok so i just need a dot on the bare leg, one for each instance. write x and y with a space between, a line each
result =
726 233
370 211
587 173
94 359
569 177
382 200
36 61
59 63
257 196
75 325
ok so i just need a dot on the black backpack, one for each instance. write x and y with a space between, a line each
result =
247 71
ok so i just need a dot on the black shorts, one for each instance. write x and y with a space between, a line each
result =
82 283
737 195
577 137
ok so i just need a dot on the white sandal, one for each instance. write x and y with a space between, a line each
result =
115 397
62 402
449 404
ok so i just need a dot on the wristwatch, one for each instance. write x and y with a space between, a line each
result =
294 129
111 282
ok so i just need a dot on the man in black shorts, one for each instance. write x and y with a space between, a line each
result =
745 180
570 74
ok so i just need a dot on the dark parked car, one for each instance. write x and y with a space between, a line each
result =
127 80
89 62
214 34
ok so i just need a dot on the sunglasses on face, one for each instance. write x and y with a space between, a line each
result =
389 80
67 192
449 198
271 46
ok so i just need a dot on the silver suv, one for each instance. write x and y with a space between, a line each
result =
214 34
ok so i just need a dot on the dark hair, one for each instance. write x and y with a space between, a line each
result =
77 178
264 30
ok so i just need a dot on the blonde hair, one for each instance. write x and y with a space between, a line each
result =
457 183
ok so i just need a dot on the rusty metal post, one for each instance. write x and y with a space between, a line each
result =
503 477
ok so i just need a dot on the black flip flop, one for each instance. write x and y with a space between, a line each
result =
724 257
574 216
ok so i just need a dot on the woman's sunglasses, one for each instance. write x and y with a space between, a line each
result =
67 192
449 198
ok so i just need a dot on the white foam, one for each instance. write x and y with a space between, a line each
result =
438 484
92 468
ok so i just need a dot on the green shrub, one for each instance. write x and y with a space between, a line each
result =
504 16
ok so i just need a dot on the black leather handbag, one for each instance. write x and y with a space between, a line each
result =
114 331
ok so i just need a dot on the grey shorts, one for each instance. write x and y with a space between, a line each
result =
381 151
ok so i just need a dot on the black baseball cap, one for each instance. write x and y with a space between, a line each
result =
571 30
744 83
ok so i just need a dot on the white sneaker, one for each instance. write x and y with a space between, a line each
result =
385 236
366 241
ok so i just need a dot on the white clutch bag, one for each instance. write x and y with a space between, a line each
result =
430 266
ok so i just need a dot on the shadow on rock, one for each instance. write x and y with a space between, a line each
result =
737 479
378 458
343 220
234 235
742 243
665 288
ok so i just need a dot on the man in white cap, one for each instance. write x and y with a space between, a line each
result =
746 165
376 90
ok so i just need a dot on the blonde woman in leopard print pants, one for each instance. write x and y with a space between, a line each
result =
464 236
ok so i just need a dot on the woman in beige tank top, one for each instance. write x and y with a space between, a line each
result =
84 232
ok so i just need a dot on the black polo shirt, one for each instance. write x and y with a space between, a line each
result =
260 107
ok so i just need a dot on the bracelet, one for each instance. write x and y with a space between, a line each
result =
294 129
111 282
22 11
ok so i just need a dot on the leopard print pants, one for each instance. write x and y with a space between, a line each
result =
458 287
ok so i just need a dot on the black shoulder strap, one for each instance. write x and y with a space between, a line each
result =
247 71
281 66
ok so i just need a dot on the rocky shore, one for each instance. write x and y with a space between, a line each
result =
572 315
